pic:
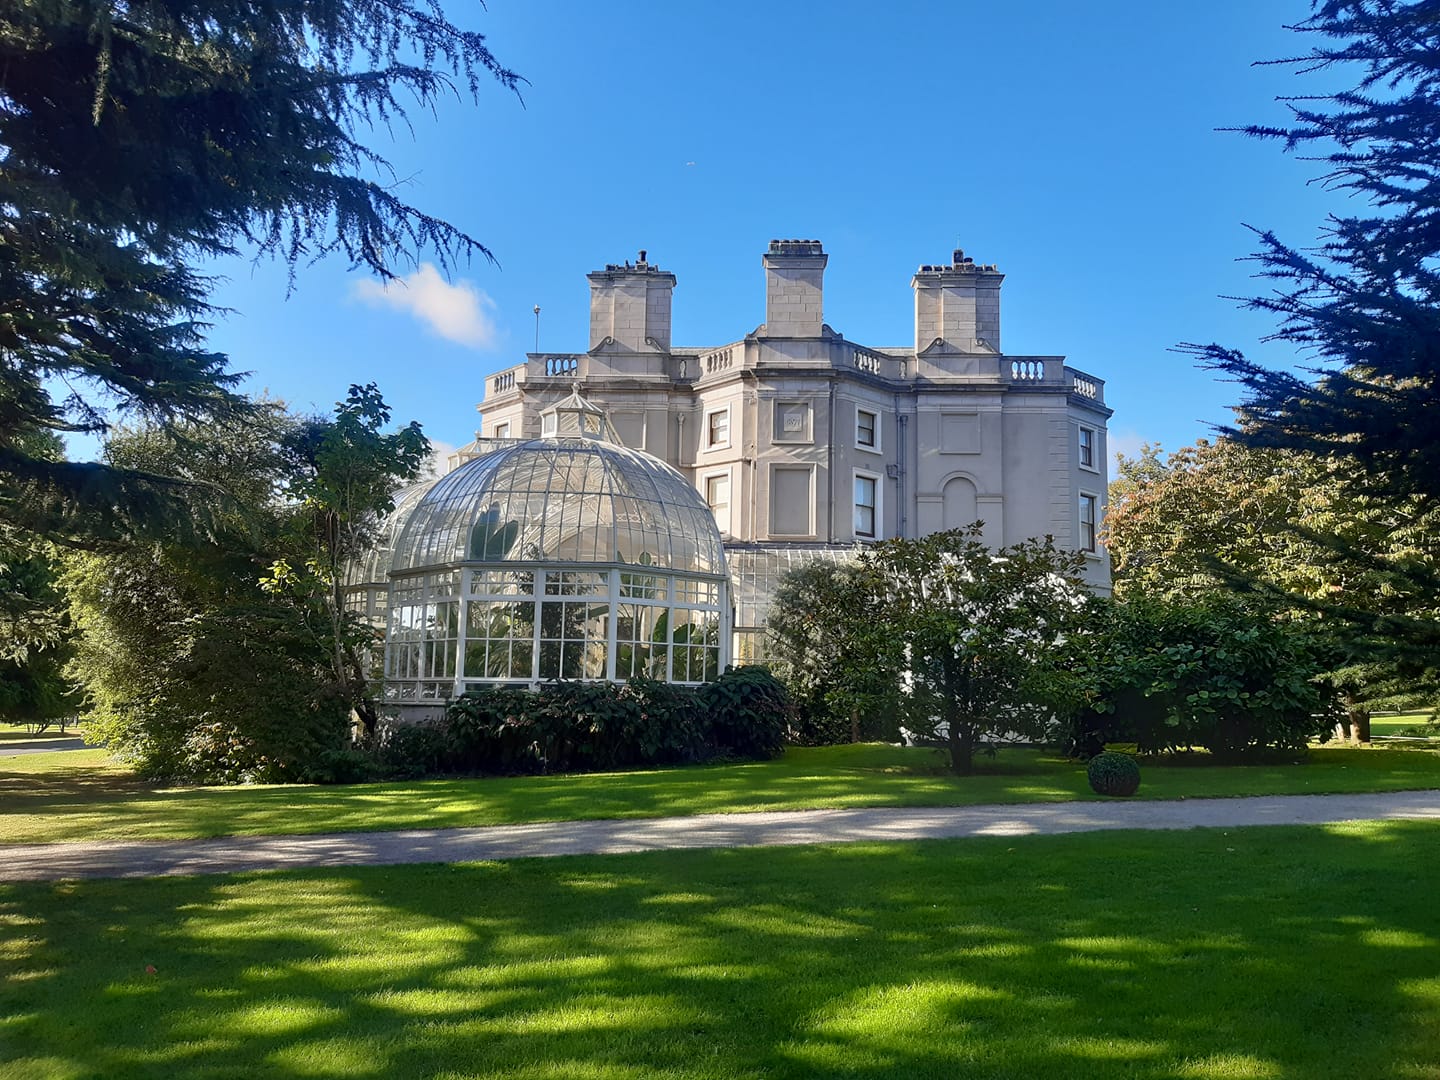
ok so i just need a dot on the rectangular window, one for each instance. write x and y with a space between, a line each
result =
576 583
717 496
1089 511
865 506
1087 448
717 428
573 639
502 431
865 429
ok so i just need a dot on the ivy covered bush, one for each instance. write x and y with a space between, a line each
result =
584 726
1113 774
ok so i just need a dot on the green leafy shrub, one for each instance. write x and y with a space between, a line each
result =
494 730
668 724
347 765
1171 676
843 683
238 706
572 726
1113 774
407 751
944 634
748 711
816 726
586 725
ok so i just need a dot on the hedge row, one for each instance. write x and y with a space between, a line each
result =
583 726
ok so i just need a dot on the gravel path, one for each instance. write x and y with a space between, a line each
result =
41 746
142 858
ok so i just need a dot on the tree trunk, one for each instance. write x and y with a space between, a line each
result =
962 756
962 743
365 717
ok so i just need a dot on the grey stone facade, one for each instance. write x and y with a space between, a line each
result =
805 442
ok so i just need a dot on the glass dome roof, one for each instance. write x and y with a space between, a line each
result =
572 498
373 567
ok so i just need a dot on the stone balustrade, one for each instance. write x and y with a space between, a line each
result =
1018 371
1086 386
1027 371
718 361
874 363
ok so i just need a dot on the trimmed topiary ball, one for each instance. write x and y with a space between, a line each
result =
1113 774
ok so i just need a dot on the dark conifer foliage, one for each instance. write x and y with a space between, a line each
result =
1364 304
140 137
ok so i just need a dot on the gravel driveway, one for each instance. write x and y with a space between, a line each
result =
147 858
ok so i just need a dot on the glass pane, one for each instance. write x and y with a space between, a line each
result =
865 428
520 502
550 660
522 653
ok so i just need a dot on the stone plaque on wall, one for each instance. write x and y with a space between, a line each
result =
792 421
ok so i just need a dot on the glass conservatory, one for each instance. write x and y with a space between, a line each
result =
367 579
564 557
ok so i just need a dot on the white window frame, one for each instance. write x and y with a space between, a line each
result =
502 431
1093 548
728 526
1094 433
870 447
879 509
705 432
549 425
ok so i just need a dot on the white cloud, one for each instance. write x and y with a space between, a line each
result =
439 452
1124 442
458 312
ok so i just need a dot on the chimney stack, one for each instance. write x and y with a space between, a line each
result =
794 288
630 305
959 303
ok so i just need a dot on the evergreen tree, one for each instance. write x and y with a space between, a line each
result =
31 607
1364 304
139 138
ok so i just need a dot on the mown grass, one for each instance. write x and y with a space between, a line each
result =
78 796
1404 723
1278 953
10 733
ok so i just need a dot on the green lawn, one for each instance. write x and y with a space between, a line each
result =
1403 723
77 796
1280 953
25 733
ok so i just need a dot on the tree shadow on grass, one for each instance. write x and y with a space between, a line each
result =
19 788
1256 953
106 804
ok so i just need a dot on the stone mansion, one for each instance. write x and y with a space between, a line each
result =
804 443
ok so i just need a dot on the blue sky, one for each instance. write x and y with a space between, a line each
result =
1074 145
